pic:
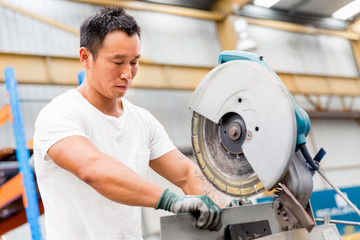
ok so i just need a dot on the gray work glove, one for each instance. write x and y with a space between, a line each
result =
209 214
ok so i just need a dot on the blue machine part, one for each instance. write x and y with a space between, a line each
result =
23 155
302 118
81 77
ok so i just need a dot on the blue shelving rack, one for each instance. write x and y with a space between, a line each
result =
23 155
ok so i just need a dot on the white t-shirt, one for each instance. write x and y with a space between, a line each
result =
73 209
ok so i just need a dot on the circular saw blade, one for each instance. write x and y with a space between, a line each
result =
244 137
230 172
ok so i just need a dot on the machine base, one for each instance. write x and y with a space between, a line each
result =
248 222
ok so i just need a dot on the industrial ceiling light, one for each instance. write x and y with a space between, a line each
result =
347 11
244 43
266 3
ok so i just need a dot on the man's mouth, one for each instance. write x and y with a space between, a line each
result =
122 87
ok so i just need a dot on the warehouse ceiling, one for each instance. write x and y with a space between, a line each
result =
320 8
317 13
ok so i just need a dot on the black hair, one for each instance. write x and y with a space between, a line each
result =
94 29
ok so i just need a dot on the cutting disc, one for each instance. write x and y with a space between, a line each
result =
243 128
229 172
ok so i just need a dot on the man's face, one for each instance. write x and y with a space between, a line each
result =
115 66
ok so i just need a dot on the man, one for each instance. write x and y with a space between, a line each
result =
93 147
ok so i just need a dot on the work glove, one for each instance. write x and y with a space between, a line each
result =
207 212
239 202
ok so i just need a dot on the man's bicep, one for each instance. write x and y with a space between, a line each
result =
72 153
54 124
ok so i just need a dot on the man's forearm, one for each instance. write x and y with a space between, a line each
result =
181 171
119 183
199 184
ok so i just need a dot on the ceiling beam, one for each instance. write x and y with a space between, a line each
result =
228 37
320 85
222 6
226 7
240 3
63 71
153 7
355 26
293 27
333 114
356 51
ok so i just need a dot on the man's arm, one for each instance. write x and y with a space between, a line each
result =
119 183
182 172
105 174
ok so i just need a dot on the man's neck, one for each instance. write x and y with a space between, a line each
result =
111 107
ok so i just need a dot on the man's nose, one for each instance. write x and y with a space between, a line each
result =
126 72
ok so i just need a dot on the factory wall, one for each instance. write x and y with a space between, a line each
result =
163 36
341 139
179 40
296 53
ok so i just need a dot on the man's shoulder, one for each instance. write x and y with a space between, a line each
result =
67 97
66 101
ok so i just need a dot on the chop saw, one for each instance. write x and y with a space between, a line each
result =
249 135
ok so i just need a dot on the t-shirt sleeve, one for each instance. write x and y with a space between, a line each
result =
160 142
56 122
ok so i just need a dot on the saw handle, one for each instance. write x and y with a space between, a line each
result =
314 163
226 56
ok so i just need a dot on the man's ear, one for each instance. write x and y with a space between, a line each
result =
85 56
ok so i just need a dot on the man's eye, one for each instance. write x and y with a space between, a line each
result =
133 63
117 63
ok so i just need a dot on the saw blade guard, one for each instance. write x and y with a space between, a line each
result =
302 118
244 128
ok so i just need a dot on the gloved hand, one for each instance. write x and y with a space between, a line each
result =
209 212
239 202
